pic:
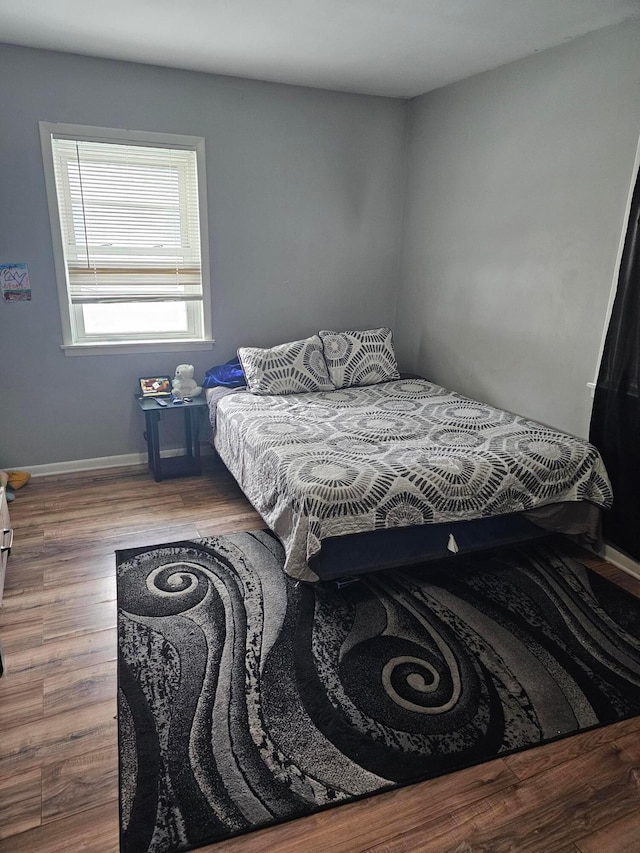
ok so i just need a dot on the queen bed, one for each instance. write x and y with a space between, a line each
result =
358 475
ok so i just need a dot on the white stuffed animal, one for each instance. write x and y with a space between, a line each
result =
183 383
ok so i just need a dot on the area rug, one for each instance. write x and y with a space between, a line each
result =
246 699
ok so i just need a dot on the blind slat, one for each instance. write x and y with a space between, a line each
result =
139 297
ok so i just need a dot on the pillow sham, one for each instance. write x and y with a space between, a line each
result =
360 358
291 368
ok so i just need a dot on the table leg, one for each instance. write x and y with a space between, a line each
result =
192 437
147 438
153 443
196 437
188 433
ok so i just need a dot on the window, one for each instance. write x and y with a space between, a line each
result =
128 219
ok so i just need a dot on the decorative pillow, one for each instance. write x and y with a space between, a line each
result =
228 375
360 358
291 368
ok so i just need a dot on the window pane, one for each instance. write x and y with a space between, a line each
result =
135 318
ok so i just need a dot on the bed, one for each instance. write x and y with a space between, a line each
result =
394 472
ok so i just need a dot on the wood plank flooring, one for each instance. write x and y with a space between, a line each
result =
58 748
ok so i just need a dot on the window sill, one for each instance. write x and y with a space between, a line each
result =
131 348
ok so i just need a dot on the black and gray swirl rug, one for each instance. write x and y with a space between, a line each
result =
247 700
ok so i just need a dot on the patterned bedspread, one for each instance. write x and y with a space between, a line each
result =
399 453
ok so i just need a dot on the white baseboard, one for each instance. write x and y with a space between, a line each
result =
620 560
74 465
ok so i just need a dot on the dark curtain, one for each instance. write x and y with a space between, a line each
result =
615 420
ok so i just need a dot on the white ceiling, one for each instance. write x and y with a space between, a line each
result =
401 48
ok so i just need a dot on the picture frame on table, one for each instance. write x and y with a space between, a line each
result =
155 386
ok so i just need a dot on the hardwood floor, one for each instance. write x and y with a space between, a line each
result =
58 749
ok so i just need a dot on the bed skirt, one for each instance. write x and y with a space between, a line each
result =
346 556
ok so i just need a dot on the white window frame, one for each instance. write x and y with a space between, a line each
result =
104 134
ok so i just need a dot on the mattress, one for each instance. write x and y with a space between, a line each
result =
397 454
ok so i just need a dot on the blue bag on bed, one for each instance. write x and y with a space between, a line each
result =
229 375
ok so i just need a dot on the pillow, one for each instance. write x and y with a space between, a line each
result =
291 368
229 375
360 358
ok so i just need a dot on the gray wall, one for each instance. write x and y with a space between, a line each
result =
517 181
305 196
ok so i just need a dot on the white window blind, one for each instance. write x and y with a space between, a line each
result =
129 218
